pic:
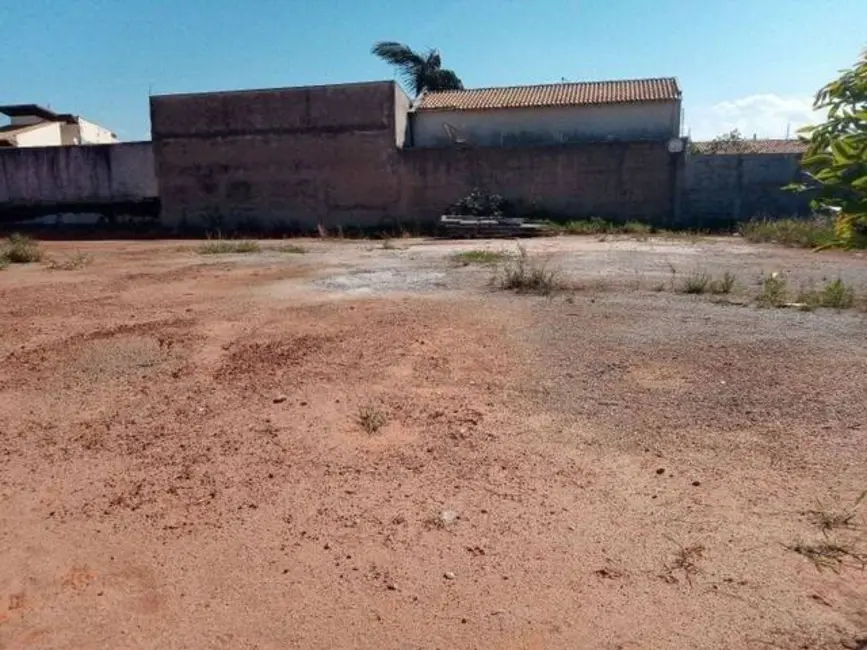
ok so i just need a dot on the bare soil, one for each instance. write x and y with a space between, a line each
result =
617 466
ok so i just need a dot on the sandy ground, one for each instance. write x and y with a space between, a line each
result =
619 466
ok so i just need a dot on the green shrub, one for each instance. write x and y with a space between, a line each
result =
480 203
525 275
837 295
72 262
371 418
774 290
479 257
811 232
294 249
724 285
696 282
636 228
808 298
593 226
225 246
20 249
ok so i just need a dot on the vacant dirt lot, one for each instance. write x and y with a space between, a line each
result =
620 465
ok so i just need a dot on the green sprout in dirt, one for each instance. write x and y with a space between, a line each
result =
482 257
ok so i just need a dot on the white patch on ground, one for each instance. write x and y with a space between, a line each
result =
383 281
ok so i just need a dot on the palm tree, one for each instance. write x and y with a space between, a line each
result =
419 72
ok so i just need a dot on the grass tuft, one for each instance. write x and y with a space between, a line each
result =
829 518
20 249
696 282
832 555
294 249
725 285
371 418
219 246
686 560
598 226
594 226
77 260
837 295
524 275
636 228
479 257
812 232
774 290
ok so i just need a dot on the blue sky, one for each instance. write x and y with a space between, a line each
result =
750 64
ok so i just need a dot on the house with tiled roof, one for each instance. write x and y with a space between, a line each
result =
561 113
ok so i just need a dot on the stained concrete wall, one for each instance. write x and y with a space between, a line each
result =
722 189
547 126
612 180
291 158
331 155
77 175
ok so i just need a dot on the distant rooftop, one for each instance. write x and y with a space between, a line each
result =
584 93
750 146
35 110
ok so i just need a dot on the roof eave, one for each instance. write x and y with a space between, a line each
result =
659 100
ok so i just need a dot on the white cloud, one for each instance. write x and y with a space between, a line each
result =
766 115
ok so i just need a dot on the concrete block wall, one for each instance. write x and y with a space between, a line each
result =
288 158
77 174
334 155
611 180
723 189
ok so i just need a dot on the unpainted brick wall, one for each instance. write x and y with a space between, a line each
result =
611 180
289 158
722 189
330 155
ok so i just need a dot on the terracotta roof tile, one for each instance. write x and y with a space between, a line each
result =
562 94
750 146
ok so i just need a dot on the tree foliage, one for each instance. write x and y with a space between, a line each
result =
731 142
419 72
836 156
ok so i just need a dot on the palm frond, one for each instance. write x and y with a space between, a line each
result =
433 60
443 79
396 54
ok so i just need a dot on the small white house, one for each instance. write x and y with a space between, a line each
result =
34 126
563 113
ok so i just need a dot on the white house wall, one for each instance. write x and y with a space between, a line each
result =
547 125
90 133
45 135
